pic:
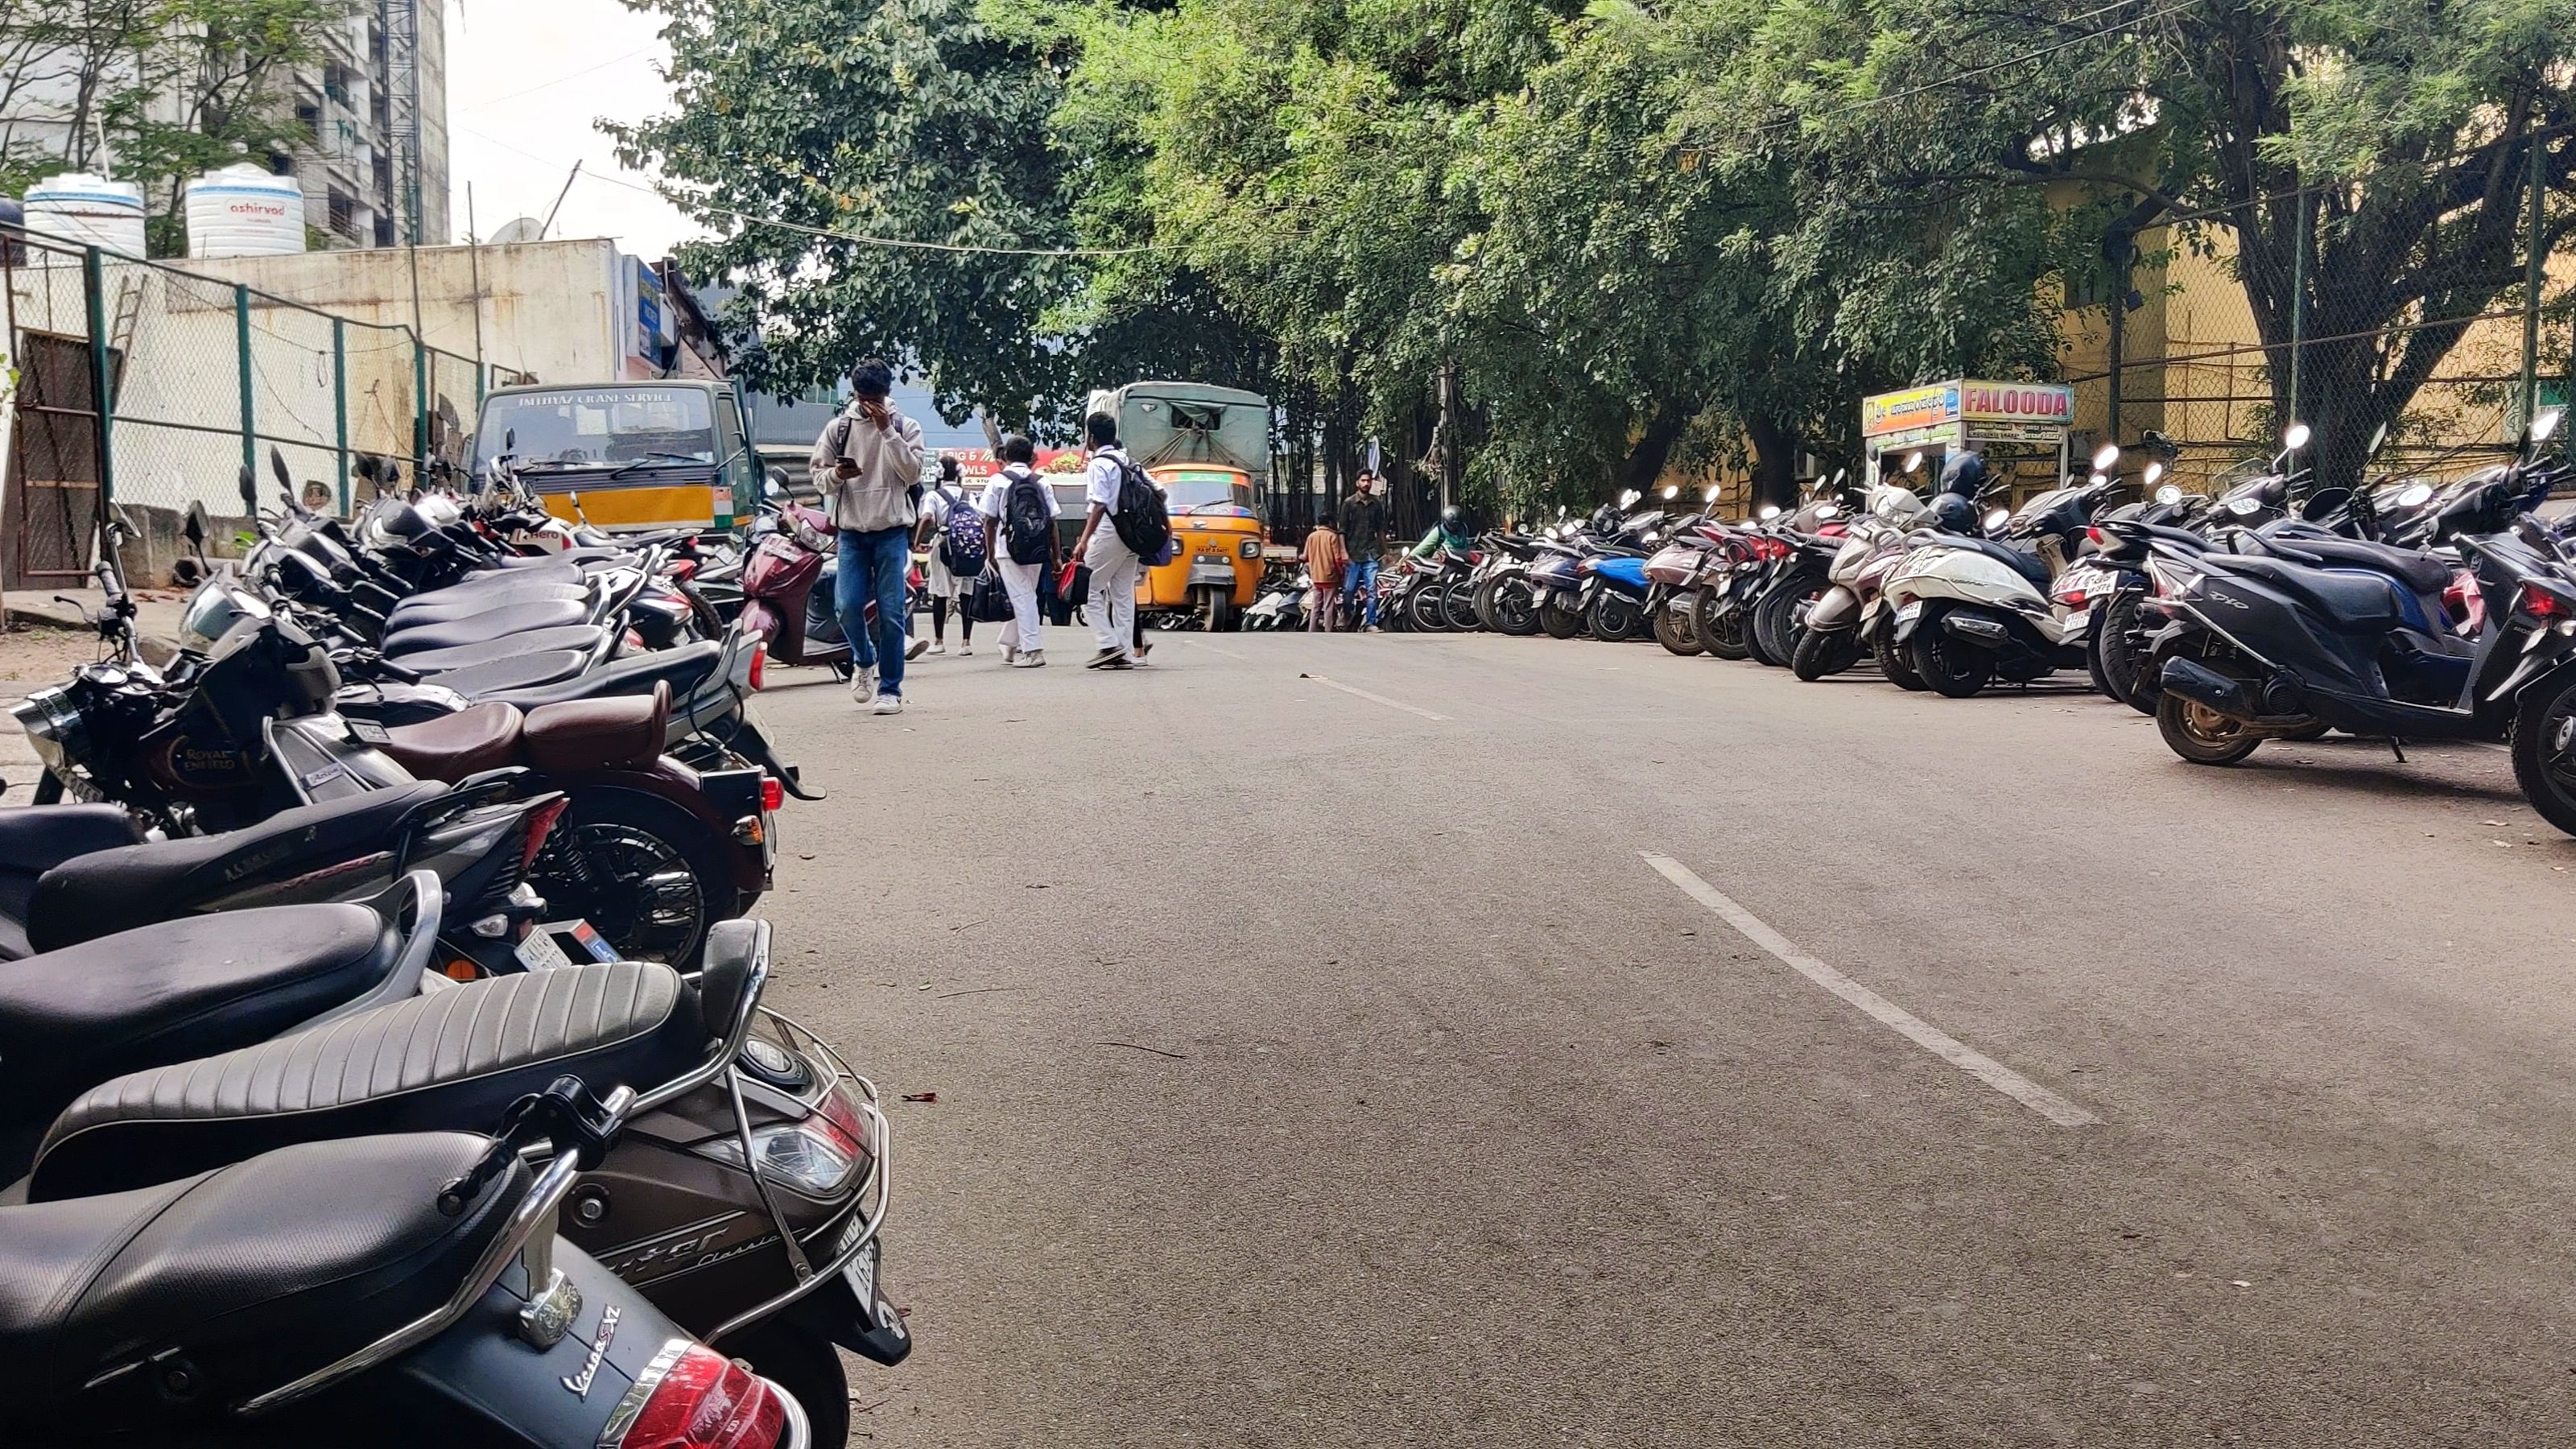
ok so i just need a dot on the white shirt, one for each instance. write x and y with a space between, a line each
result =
997 494
1100 479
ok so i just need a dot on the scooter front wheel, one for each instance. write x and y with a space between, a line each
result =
1720 628
2544 752
1676 630
1949 666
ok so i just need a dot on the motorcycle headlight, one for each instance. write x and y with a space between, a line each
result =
812 1157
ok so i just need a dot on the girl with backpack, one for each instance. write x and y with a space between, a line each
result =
1018 509
954 533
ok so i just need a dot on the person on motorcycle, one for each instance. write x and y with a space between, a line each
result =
1449 533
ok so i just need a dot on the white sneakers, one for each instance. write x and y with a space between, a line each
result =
1029 659
963 648
888 704
863 684
938 646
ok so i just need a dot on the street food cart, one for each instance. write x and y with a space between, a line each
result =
2009 422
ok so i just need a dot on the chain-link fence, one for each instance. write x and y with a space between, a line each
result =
153 388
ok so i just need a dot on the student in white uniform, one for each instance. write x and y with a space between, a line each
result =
1113 564
947 590
1021 543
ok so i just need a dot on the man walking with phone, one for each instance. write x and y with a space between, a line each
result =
865 466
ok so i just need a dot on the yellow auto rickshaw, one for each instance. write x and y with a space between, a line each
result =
1216 572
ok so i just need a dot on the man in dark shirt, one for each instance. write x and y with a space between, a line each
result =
1363 529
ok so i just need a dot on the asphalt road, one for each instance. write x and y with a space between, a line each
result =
1326 1063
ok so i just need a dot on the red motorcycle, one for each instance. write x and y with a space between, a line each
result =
788 577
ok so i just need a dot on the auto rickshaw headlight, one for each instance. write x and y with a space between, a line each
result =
1249 548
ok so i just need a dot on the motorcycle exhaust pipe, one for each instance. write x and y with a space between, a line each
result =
2203 685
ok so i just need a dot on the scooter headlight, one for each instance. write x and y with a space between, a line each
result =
813 1157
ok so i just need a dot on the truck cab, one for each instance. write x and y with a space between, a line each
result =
625 456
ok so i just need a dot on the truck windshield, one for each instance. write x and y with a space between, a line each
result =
598 427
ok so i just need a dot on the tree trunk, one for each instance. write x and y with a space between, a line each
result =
1646 457
1775 461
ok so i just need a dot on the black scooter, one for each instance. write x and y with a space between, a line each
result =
2274 644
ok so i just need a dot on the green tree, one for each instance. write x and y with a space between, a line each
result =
800 124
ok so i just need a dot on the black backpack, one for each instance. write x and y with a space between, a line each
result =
1028 526
1143 524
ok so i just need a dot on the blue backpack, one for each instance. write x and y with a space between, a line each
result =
961 539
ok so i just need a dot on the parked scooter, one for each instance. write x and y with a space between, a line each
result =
1970 610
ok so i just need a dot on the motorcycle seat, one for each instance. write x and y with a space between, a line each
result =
581 637
2351 601
445 606
617 732
132 885
489 625
683 669
253 1276
474 739
171 992
518 671
451 1058
36 838
2422 572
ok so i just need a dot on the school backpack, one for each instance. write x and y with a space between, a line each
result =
1027 522
961 542
1143 524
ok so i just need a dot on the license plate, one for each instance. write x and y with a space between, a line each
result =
1680 603
2079 621
539 952
862 1278
1906 614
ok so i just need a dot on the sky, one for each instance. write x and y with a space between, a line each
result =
525 81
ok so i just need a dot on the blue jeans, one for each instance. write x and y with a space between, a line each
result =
871 571
1359 576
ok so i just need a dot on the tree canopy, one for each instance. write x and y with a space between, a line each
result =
1557 247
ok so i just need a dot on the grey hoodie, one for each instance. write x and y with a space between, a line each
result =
889 460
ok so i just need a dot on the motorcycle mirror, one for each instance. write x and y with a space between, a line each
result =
1997 519
196 529
1629 498
2296 438
1827 510
1767 512
1913 461
1671 490
2545 426
1708 494
277 466
2378 440
2154 472
2097 479
1839 474
777 483
2105 456
2169 495
2415 494
249 492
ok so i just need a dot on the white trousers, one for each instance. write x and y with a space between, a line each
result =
1112 606
1022 631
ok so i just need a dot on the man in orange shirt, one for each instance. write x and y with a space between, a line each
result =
1325 560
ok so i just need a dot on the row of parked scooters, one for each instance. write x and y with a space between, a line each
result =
2274 609
385 1053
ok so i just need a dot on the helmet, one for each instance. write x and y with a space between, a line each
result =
1953 513
1453 519
1964 474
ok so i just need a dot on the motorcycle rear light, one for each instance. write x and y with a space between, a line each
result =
2072 598
2545 603
700 1400
541 823
773 794
760 672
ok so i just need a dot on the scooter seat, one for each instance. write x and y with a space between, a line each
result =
172 992
580 637
445 606
468 742
446 1059
2422 572
36 838
2029 565
683 669
252 1277
133 885
519 671
489 625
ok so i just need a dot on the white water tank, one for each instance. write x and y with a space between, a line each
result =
243 211
86 210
